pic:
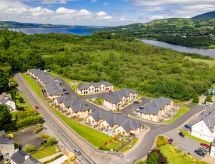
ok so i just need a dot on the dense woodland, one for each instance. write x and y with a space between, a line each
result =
124 62
180 31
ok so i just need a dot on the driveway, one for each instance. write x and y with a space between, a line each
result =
185 144
27 136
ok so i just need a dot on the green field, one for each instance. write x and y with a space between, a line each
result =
175 156
45 152
187 134
91 135
211 62
33 84
180 113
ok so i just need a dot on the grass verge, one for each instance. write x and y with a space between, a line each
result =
180 113
93 136
187 134
175 156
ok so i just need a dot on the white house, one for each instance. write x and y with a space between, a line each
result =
212 152
7 100
205 128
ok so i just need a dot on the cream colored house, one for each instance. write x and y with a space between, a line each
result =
119 99
157 109
94 88
129 127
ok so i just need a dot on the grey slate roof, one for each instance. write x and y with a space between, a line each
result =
95 84
21 157
155 106
210 121
130 125
5 98
52 85
117 96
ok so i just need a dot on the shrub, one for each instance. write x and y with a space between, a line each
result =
29 121
156 157
38 128
208 99
51 141
195 98
10 135
44 136
29 148
161 140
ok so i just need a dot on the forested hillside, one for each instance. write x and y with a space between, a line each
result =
126 63
180 31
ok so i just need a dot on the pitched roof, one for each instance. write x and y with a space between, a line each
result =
21 157
117 96
155 105
83 86
209 120
130 125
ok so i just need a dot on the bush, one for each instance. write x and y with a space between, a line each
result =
156 157
44 136
208 99
38 128
29 148
10 135
161 140
195 98
51 141
29 121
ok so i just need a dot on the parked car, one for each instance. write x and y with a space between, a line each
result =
136 102
205 145
36 107
181 134
170 141
188 126
200 152
77 152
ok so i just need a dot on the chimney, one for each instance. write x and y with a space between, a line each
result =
27 157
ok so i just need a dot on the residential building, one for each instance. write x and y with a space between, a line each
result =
21 157
119 99
6 99
157 109
6 145
94 88
205 128
212 150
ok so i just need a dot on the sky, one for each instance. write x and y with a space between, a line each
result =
100 12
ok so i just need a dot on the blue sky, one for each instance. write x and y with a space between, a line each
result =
100 12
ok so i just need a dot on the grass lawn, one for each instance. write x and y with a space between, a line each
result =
133 142
93 136
180 113
33 84
45 152
175 156
187 134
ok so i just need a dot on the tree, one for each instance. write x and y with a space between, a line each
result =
156 157
5 115
4 82
208 99
195 98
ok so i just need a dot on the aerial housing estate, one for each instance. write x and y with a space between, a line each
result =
72 105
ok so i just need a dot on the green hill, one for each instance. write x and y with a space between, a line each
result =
180 31
207 15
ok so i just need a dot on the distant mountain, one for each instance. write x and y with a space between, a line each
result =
207 15
11 24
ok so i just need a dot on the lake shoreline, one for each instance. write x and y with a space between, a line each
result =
179 48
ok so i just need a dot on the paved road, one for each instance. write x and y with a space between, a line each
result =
66 135
71 139
148 141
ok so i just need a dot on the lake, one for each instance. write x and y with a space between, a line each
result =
204 52
72 30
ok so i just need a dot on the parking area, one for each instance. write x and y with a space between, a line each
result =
184 143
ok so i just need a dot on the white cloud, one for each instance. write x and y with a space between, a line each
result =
19 11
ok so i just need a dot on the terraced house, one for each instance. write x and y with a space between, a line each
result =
113 124
157 109
119 99
94 88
